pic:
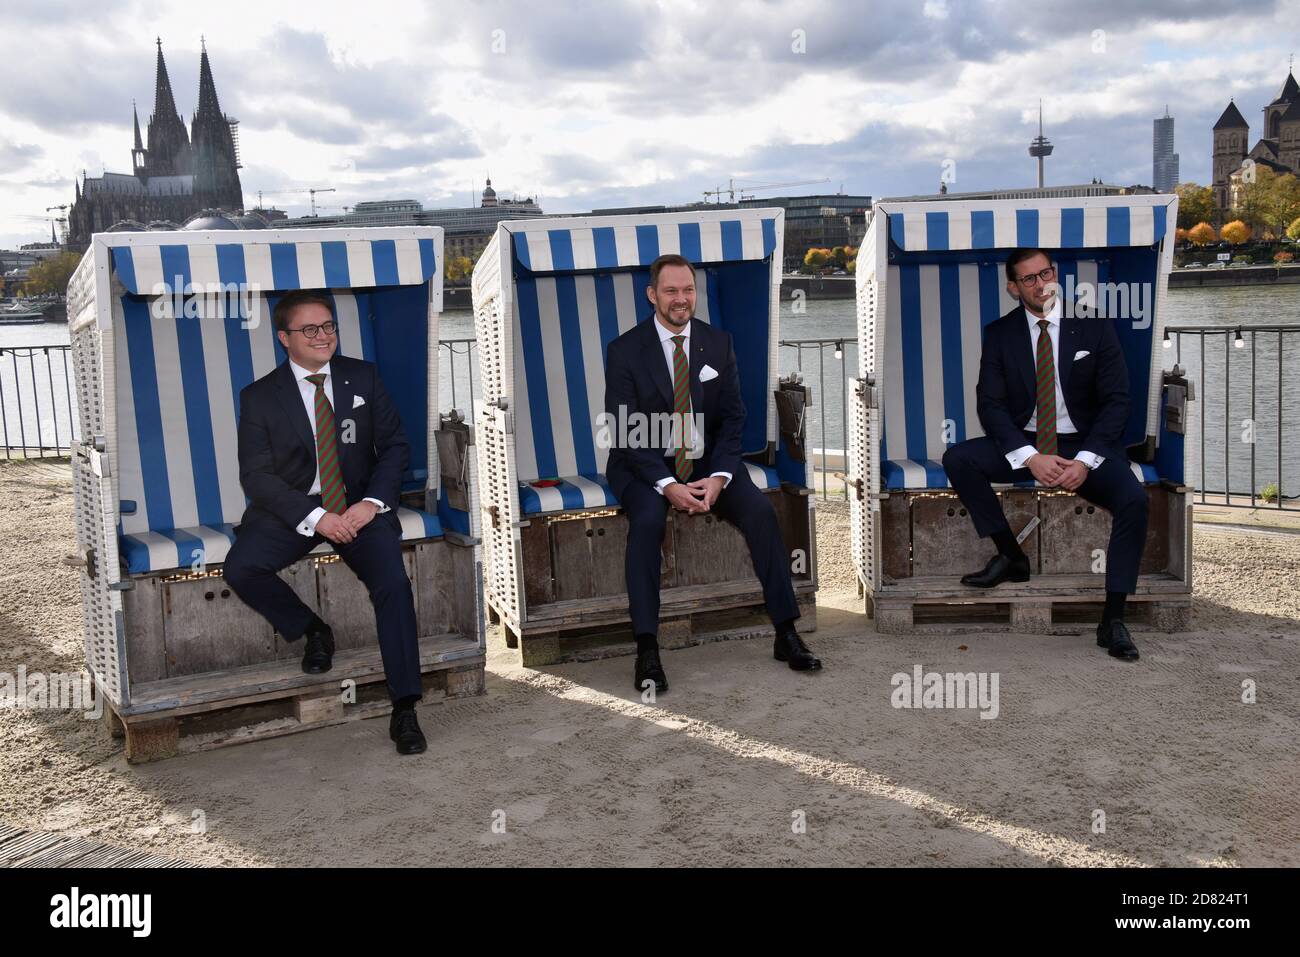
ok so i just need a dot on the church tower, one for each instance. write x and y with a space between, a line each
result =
169 145
1230 147
215 150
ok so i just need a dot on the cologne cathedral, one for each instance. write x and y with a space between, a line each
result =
175 176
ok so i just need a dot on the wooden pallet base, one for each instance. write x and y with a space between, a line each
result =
181 716
1049 605
548 647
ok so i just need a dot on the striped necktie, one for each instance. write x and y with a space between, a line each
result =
333 497
1046 392
681 406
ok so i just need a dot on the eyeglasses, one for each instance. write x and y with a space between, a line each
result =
312 331
1034 278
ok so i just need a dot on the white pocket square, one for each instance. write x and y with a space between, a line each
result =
357 401
707 373
1080 354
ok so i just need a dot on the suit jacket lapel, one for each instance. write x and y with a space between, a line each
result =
1023 348
654 357
1066 344
291 399
344 390
696 364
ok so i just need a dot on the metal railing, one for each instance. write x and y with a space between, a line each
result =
37 413
1245 434
457 382
830 396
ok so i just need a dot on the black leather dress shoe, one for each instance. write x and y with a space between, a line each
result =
1114 637
789 647
404 729
649 668
999 569
318 656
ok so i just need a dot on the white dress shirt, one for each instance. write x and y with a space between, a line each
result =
308 392
669 347
1064 426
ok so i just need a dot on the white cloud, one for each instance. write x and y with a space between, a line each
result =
633 102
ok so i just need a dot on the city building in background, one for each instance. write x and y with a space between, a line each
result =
175 176
1164 161
466 231
811 222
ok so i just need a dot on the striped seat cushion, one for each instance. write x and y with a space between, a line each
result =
205 545
577 492
914 474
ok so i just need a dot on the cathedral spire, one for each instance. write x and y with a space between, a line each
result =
208 104
168 152
135 116
164 104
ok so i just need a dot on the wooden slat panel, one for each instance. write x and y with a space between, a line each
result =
273 679
571 559
208 628
63 854
535 547
142 617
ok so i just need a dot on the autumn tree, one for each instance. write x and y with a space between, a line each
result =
50 276
1195 204
458 269
1236 232
1269 202
1202 234
816 258
1294 229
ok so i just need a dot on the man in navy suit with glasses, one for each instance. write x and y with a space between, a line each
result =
321 457
1053 397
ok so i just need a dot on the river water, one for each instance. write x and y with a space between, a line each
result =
1226 371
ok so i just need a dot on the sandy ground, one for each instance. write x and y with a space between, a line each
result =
728 763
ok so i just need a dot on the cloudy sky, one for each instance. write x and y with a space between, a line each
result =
632 101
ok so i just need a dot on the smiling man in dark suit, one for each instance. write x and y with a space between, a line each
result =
676 365
1053 398
321 457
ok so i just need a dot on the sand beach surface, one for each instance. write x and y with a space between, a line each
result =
742 763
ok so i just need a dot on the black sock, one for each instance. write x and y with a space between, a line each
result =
646 643
785 627
1114 606
406 703
1008 546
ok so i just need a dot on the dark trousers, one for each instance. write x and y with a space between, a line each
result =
975 464
263 548
741 504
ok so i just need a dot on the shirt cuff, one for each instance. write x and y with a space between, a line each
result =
378 504
724 475
663 483
1020 456
1090 459
308 525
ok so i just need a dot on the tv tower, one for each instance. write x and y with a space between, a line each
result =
1040 147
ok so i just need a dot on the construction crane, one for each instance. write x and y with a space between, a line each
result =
732 188
311 189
